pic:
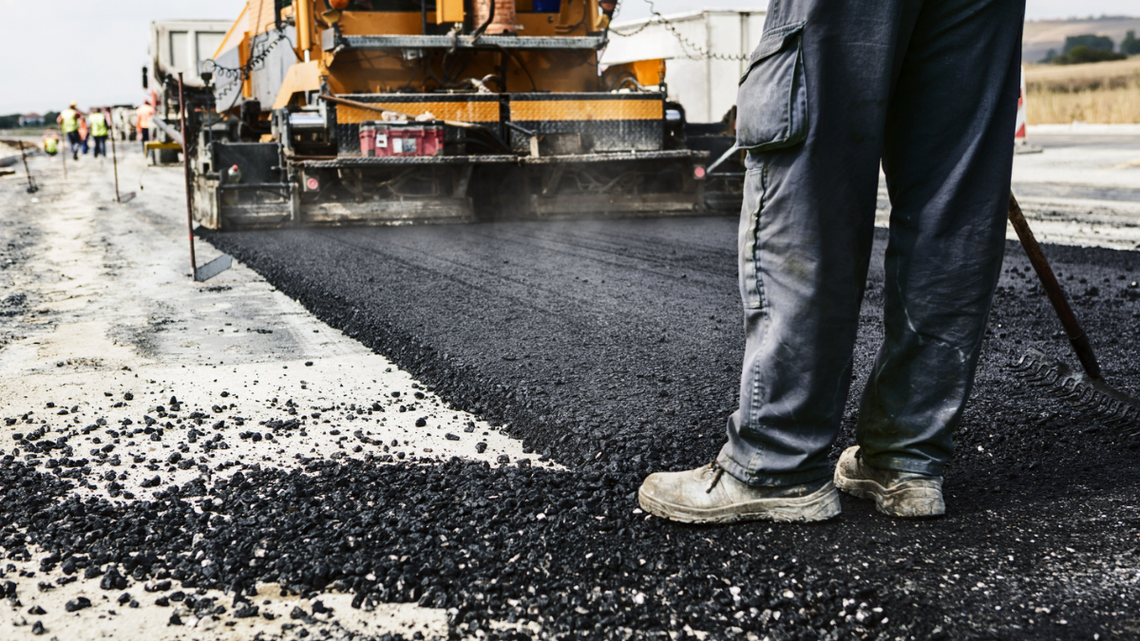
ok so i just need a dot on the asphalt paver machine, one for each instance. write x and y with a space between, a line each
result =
401 111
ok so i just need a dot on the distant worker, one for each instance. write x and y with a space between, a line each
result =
51 144
98 121
84 132
69 123
145 112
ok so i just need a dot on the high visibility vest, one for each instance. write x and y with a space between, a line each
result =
51 145
70 120
98 124
145 113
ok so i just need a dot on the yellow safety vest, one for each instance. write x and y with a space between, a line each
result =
51 145
70 120
98 124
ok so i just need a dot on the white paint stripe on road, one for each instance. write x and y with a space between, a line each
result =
1082 222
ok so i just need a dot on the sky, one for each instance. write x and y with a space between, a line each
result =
94 51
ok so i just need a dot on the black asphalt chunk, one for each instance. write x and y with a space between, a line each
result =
78 603
321 608
245 611
112 580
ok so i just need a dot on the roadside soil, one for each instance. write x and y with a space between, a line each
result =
123 380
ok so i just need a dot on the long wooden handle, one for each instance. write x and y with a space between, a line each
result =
1077 336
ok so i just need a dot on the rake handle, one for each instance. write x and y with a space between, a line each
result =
1077 337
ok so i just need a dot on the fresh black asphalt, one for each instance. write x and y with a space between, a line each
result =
613 347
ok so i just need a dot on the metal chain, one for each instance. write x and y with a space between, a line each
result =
635 31
254 62
242 72
617 8
686 43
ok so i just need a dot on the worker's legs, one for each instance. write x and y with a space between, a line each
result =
947 155
100 146
807 224
144 136
74 142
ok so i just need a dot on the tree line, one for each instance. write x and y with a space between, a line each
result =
12 121
1093 48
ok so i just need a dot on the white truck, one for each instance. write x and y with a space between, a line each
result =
177 46
705 54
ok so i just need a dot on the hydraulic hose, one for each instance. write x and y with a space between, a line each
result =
483 27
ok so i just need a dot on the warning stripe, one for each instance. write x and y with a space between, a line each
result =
469 111
605 109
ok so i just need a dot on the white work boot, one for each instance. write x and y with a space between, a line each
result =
902 494
709 495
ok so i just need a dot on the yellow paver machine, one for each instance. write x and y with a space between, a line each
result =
402 111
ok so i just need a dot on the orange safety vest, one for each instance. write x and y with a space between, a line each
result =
145 113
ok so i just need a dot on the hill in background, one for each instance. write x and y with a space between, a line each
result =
1043 35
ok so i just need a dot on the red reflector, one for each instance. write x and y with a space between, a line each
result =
699 172
312 184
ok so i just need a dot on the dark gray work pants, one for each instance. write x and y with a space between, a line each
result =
930 88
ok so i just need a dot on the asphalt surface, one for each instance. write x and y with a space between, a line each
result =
613 347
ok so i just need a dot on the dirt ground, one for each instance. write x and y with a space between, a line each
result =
223 459
104 339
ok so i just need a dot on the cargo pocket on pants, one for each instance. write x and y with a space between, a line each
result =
771 102
751 289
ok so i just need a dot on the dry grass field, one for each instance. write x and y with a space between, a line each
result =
1103 92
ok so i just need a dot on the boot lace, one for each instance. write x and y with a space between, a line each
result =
717 472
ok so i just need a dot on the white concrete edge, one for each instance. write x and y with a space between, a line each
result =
1083 129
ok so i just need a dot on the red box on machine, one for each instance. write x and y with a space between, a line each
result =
393 138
